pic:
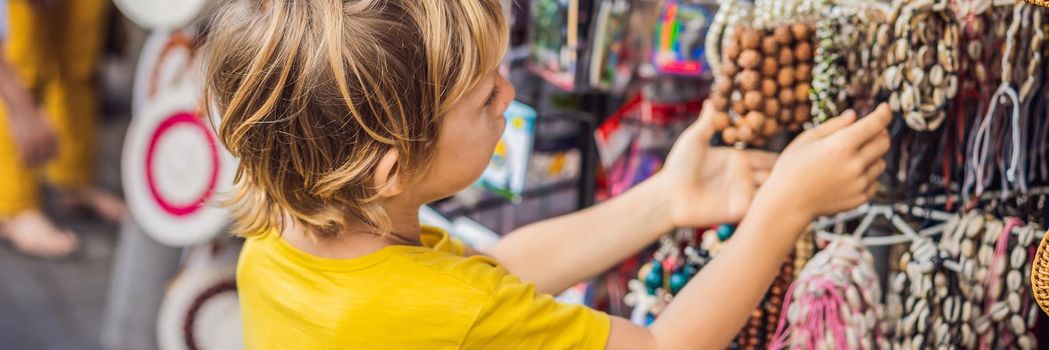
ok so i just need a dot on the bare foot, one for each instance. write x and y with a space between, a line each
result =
100 202
33 233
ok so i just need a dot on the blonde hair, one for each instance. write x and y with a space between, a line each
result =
312 93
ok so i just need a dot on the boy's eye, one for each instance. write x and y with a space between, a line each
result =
491 98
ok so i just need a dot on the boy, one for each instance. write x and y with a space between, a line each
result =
349 115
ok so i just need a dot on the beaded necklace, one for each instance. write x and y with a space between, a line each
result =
834 303
763 82
923 62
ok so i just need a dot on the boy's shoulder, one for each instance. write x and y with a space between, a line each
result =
480 273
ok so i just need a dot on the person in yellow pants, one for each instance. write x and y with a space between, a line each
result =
48 131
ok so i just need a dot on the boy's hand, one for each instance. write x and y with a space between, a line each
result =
834 167
34 136
710 185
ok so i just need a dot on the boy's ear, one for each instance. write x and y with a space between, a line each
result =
386 177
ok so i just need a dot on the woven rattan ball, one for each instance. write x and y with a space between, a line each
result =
1042 3
1040 275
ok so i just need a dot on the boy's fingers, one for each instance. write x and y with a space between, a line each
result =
875 171
872 190
703 128
869 127
832 126
876 147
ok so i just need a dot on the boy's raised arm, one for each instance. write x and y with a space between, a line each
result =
830 169
698 186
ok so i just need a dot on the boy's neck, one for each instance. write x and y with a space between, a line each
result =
358 239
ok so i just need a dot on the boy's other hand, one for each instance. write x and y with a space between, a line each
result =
834 167
711 185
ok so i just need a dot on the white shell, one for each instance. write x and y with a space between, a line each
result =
968 248
893 78
1014 302
999 311
994 229
914 119
967 335
1016 324
909 323
852 296
982 326
923 320
1029 235
1018 258
1014 280
985 254
916 76
951 86
975 227
917 341
999 268
941 330
902 46
926 281
899 282
1026 342
968 271
995 292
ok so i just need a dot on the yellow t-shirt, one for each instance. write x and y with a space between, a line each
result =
401 297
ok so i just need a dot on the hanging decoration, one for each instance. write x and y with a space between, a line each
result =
201 309
845 71
680 257
174 167
835 303
763 82
967 291
922 62
964 198
165 14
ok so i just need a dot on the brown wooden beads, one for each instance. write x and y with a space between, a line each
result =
774 298
763 85
760 330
